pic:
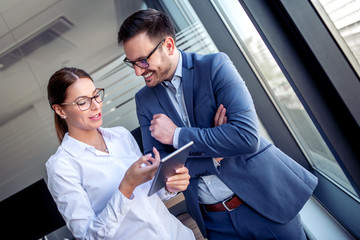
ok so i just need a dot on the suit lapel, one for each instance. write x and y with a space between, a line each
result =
168 107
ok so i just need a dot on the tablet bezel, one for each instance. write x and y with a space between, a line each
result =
168 166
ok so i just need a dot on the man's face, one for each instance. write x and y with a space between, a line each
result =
160 64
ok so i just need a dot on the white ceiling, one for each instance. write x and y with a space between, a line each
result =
90 43
26 121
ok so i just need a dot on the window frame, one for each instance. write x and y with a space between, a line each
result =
326 84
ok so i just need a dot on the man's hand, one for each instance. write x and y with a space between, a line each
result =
162 128
220 119
179 181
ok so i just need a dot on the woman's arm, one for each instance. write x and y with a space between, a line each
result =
66 187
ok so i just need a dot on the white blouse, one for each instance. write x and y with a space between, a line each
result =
84 184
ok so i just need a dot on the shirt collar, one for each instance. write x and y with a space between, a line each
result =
76 148
106 133
178 71
176 79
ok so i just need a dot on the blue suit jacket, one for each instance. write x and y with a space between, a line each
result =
259 173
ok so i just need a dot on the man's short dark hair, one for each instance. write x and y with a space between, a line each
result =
156 24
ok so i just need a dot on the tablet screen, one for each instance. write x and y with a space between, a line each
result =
168 166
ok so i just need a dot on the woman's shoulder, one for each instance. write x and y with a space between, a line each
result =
117 131
65 156
58 160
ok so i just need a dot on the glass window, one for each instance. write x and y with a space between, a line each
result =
342 18
281 93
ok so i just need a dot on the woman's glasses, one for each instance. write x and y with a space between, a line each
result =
84 103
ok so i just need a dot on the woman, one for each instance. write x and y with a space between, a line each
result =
98 177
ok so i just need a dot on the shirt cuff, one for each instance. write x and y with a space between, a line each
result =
216 163
165 195
119 201
176 138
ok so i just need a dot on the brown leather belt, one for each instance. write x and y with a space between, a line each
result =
226 205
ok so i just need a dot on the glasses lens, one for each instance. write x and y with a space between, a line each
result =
99 97
83 103
142 63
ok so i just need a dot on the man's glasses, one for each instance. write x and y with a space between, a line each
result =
84 103
142 63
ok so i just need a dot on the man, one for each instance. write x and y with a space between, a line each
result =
255 191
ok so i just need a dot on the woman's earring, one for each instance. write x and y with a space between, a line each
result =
63 117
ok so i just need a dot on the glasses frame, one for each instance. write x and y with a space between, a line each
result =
143 60
88 98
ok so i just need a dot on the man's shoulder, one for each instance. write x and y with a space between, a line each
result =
198 58
144 90
196 55
146 94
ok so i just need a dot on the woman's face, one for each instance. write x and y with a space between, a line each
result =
82 121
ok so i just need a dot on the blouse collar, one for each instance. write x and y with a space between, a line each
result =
76 148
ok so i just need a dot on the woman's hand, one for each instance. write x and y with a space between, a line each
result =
139 172
179 181
220 119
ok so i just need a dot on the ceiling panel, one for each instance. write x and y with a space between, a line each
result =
18 12
3 27
37 52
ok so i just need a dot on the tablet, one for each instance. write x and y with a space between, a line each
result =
168 166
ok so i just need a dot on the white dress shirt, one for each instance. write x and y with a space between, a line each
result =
84 184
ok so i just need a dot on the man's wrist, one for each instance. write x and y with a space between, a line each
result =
176 137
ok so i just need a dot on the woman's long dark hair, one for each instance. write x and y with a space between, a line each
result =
57 89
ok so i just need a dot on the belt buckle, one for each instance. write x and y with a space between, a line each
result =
226 207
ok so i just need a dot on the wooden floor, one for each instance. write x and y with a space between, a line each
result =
185 218
188 221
